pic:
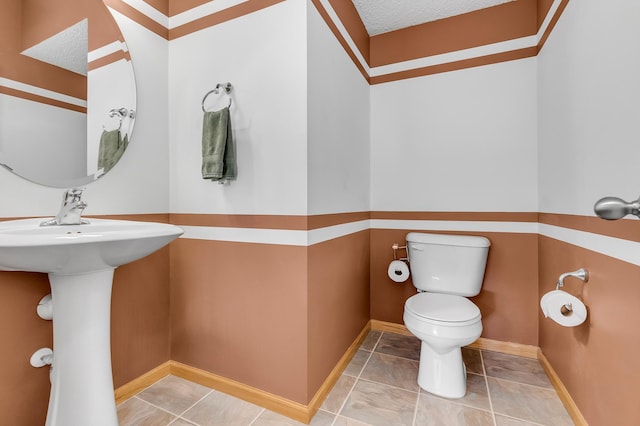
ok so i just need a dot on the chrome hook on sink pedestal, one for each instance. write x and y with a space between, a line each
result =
45 308
41 357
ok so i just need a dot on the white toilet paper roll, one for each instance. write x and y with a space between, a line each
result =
398 271
564 308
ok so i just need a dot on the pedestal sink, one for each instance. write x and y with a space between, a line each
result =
80 260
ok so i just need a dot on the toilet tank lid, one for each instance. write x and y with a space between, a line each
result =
448 239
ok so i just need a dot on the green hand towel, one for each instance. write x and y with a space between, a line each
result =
112 146
218 149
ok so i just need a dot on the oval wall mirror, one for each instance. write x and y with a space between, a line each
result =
67 91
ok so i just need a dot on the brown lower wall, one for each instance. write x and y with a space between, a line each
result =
140 327
338 301
277 318
239 310
598 360
509 297
24 390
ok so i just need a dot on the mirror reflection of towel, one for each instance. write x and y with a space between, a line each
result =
112 146
218 149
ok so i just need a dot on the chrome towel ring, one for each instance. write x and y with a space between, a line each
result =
121 113
227 89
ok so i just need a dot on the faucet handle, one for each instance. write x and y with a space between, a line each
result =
73 198
72 195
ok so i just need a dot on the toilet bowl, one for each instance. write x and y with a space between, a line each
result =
445 269
444 323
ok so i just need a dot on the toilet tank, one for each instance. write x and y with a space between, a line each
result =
450 264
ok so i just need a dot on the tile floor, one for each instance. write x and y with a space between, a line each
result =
378 388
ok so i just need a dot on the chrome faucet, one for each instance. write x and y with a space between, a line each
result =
70 209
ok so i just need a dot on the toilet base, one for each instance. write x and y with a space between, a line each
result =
442 374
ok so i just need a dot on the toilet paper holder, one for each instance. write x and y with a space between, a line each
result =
581 274
567 309
397 247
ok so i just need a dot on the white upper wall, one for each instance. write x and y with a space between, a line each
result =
263 54
338 125
457 141
552 133
138 183
589 106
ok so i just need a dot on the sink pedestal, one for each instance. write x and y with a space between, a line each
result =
81 381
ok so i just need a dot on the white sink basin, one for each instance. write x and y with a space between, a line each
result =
72 249
80 261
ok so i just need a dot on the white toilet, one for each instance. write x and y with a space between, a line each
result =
446 269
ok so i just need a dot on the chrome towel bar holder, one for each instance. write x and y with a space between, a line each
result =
227 87
613 208
121 114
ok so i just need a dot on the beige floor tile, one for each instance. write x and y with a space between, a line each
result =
527 402
380 405
354 368
370 341
322 418
508 421
269 418
477 395
345 421
182 422
392 370
472 360
333 402
433 411
399 345
135 412
219 409
518 369
174 394
378 388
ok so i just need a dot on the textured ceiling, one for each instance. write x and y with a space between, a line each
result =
67 49
381 16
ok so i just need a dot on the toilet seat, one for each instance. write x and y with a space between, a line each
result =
443 309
